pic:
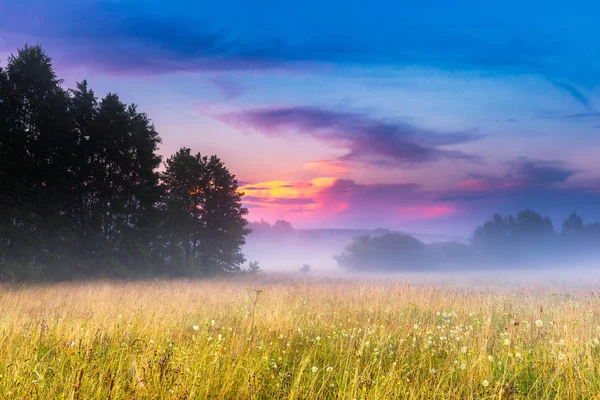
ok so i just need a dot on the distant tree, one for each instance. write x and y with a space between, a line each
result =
573 225
254 267
389 252
492 232
523 228
305 268
282 226
529 224
204 211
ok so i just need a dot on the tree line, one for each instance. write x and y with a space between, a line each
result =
82 195
525 240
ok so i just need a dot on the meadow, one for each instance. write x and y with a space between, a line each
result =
301 338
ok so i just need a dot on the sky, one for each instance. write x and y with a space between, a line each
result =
416 116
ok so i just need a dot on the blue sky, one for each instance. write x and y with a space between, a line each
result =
426 117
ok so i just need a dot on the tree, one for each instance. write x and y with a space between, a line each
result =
254 268
204 212
36 142
390 252
305 268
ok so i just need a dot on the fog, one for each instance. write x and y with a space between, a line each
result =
521 249
281 248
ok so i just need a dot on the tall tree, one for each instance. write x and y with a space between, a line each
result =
204 213
36 143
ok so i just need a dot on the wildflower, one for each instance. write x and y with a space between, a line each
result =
433 371
329 369
463 366
491 358
539 323
463 349
315 369
195 327
212 322
561 356
485 383
416 326
507 342
518 355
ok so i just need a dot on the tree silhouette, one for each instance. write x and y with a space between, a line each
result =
204 212
80 194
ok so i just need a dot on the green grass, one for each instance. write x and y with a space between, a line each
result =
299 339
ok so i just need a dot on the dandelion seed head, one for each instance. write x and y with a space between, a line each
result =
539 323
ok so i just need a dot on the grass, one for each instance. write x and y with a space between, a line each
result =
297 339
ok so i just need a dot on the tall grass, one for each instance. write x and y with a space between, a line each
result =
296 340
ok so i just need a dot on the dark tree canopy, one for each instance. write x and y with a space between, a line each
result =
80 192
205 214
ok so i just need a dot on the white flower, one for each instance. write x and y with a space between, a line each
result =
518 355
561 356
490 358
329 369
463 366
507 342
539 323
485 383
195 327
212 322
463 349
416 326
433 371
315 370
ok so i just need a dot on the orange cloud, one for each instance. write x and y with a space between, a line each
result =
285 193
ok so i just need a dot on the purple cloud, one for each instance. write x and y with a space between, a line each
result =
366 139
279 200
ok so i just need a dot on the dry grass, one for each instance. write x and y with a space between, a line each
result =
298 340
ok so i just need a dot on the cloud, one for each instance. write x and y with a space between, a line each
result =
538 184
522 173
584 115
229 88
577 94
340 202
328 167
541 173
279 200
165 37
365 139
